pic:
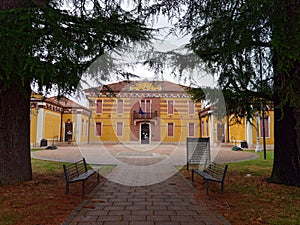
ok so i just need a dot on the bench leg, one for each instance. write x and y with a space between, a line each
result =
192 175
222 187
67 187
206 187
83 188
98 176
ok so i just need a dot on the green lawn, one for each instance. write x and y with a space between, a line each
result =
257 166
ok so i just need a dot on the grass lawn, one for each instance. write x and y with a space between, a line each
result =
249 198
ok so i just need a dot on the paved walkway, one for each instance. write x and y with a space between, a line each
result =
144 188
170 202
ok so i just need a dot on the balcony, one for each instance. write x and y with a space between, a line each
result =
144 115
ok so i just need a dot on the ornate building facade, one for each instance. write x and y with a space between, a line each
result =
142 112
139 112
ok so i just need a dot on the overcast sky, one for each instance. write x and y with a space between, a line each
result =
169 42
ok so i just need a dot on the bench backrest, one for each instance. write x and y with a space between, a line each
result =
216 170
75 169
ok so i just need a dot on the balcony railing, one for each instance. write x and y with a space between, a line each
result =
144 115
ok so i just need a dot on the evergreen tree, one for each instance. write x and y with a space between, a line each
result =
50 42
252 47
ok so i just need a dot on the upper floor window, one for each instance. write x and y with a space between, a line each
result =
191 108
146 105
170 107
99 106
120 106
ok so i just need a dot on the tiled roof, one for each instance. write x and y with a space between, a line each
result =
125 86
65 102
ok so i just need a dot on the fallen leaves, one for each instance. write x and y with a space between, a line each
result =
251 199
40 201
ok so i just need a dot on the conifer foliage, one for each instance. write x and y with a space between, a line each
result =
50 43
252 48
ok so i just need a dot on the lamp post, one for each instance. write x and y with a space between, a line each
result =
264 131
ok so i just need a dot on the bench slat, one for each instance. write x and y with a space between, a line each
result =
206 175
83 176
216 174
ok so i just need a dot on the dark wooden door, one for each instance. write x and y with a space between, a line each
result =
145 133
68 131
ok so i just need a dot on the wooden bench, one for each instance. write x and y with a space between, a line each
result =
213 172
76 172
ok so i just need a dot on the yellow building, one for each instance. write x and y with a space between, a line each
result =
55 120
227 131
139 112
142 112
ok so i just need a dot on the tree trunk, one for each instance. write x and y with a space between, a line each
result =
15 157
286 168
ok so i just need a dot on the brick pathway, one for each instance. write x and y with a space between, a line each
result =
151 198
170 202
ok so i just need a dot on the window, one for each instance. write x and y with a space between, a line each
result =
207 129
87 128
202 128
99 106
120 106
191 108
82 127
119 129
146 105
191 129
170 107
170 129
98 129
266 123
